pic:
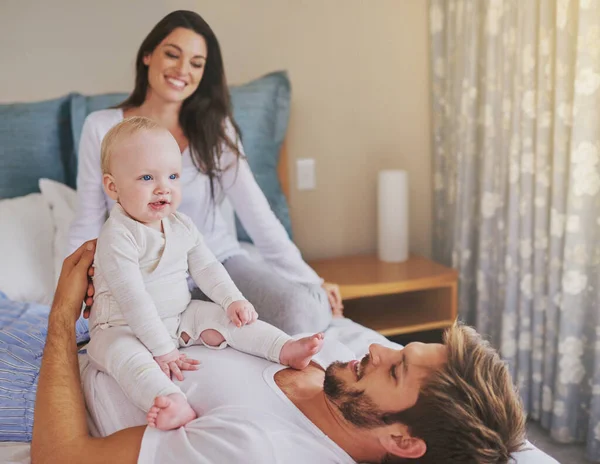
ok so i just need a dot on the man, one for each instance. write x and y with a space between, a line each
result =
428 402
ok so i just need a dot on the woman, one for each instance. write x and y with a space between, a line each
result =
180 82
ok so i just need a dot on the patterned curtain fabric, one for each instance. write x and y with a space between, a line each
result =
516 121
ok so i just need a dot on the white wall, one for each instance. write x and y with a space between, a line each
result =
360 84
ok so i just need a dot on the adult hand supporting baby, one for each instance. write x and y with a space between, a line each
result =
241 312
88 299
73 283
174 362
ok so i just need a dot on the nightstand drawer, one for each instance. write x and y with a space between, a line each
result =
403 313
394 298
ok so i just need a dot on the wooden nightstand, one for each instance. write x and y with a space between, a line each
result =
394 298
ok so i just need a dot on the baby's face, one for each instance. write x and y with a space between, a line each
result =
145 170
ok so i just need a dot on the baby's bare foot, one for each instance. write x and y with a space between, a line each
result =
298 353
170 412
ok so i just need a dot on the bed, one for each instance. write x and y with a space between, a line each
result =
37 203
356 337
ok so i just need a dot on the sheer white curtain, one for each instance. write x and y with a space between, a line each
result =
516 120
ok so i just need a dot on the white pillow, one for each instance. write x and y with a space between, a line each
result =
62 200
26 249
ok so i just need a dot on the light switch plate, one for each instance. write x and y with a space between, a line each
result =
305 172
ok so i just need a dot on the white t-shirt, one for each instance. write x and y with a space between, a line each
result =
238 184
244 415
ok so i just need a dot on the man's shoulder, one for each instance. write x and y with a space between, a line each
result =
256 435
224 434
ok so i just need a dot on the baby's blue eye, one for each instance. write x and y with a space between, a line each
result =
174 176
147 177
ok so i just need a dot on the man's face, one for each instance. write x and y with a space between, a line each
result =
385 380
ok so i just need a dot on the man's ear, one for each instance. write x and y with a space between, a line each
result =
404 446
110 187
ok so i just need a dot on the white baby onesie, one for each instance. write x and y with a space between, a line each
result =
142 303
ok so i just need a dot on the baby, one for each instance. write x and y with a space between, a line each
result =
142 310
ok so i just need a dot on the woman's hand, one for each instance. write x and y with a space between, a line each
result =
335 299
73 283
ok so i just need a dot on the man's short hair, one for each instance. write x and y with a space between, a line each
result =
469 410
127 127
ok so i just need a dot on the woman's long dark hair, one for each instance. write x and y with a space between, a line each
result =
203 114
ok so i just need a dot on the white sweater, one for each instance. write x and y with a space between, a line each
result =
238 184
140 277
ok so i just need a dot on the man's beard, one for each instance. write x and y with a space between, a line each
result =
356 407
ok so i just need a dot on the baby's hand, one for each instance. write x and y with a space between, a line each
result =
241 312
174 362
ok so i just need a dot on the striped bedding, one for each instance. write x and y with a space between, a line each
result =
23 328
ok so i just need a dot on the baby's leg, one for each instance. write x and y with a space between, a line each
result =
207 323
119 353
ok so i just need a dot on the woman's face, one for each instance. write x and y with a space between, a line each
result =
176 66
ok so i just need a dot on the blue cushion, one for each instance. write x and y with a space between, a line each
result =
262 108
35 142
81 106
23 329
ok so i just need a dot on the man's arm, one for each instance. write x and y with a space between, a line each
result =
60 432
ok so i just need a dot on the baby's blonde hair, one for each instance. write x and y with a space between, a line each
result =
125 128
